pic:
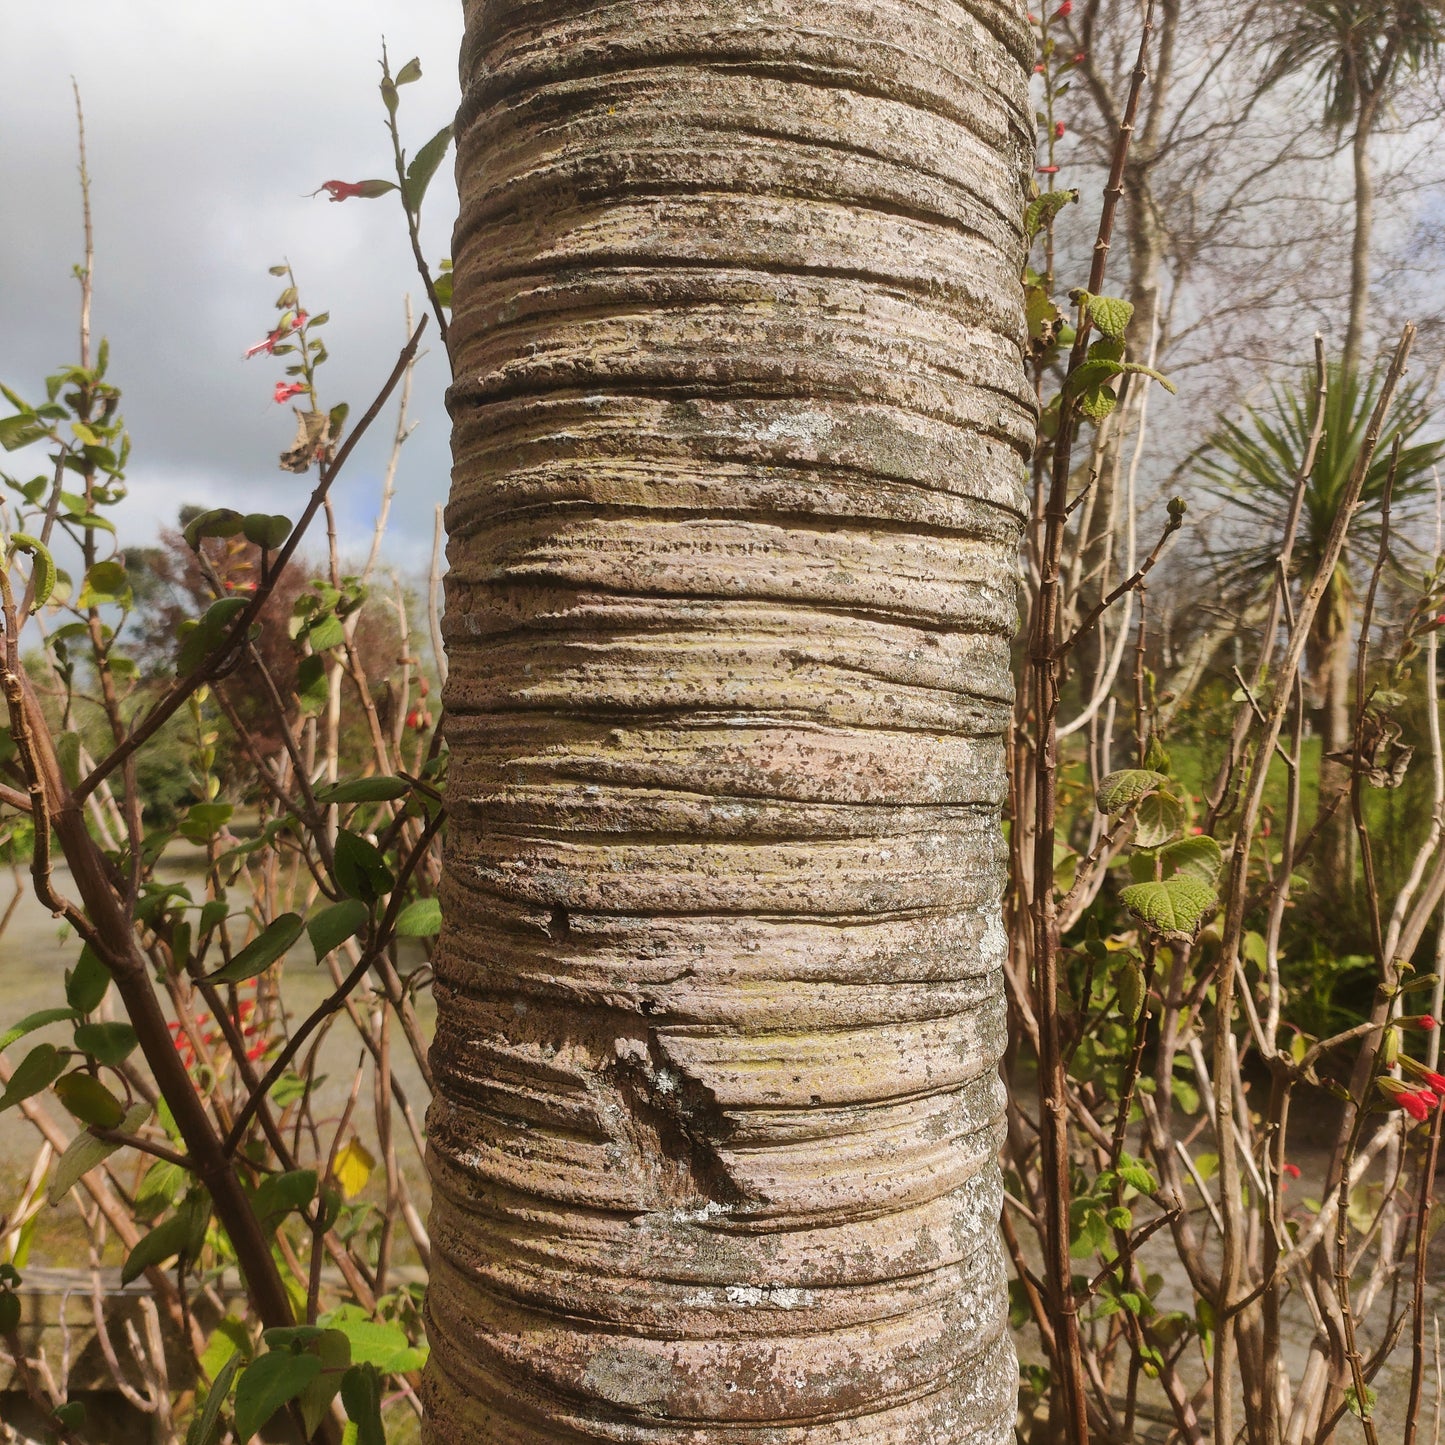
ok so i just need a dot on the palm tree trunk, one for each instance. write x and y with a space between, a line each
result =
1360 243
1337 729
740 420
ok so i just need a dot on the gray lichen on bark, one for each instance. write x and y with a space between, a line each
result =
740 422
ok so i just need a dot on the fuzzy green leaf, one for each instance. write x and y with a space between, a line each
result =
1175 906
1127 786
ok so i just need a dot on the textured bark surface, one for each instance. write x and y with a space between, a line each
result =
740 424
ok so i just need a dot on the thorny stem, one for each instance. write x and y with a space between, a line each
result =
1045 663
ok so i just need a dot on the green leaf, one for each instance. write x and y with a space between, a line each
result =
204 820
43 573
424 166
289 1088
1352 1399
361 871
1098 402
1136 369
105 582
365 790
21 431
111 1043
330 928
206 1423
421 919
228 1340
1199 857
37 1070
1135 1175
1160 818
9 1312
311 688
1091 373
1043 209
218 522
361 1394
1175 906
85 1152
1131 989
1127 786
325 633
87 981
378 1343
206 635
34 1021
269 1383
266 531
89 1100
281 1194
1040 313
159 1190
263 950
1111 315
334 1351
156 1246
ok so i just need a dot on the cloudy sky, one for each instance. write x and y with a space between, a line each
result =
207 125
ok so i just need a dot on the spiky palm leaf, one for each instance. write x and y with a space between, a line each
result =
1356 48
1252 463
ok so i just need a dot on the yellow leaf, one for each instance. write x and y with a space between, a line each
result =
354 1163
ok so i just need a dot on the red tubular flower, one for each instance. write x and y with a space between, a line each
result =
1039 68
1291 1169
1414 1105
1425 1022
285 390
1058 130
1047 170
1065 10
341 190
1434 1081
267 346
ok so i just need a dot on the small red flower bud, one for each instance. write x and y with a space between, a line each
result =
1065 10
1058 130
1047 170
1079 58
1290 1169
1435 1081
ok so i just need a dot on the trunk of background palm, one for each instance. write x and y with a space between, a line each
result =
1360 242
740 422
1147 243
1332 666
